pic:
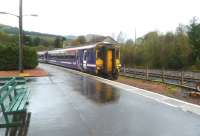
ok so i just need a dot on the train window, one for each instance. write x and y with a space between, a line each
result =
69 57
99 53
85 55
72 57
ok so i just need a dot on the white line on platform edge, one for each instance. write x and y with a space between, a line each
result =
184 106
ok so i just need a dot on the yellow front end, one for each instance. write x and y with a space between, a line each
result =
99 62
117 60
108 61
117 64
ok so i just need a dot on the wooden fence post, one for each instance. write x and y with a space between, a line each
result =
182 77
163 75
135 73
147 73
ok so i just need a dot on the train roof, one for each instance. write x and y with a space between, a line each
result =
71 48
107 42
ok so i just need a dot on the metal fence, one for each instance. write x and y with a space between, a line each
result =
186 79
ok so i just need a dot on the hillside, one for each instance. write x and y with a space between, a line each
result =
14 30
41 41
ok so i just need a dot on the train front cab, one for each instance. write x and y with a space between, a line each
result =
108 61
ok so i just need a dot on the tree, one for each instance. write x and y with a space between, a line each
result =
36 41
8 39
27 40
79 40
129 42
156 50
194 38
181 29
151 49
58 42
120 37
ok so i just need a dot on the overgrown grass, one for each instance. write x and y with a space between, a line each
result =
172 90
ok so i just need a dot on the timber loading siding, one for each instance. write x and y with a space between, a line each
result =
184 79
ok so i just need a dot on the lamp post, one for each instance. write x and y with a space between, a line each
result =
20 17
21 68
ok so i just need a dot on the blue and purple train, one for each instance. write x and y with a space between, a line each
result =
102 59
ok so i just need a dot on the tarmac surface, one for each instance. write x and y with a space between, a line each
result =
70 104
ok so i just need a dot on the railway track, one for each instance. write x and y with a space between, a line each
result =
188 80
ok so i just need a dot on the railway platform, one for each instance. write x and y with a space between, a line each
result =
73 104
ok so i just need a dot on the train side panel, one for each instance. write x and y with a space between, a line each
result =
82 59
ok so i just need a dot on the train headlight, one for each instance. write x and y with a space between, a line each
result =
118 66
99 67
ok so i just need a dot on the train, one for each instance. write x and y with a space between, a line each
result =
101 59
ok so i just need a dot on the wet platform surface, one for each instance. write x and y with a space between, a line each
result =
68 104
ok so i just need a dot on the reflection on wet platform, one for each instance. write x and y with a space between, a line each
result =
97 91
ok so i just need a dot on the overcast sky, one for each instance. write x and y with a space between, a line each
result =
105 17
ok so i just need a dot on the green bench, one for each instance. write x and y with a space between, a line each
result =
13 101
20 80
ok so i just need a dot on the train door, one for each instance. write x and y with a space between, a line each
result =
109 57
84 59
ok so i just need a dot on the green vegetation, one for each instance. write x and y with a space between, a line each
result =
40 41
173 50
172 90
43 42
30 58
80 40
9 57
8 39
33 42
194 37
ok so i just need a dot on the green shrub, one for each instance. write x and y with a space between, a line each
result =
30 58
9 57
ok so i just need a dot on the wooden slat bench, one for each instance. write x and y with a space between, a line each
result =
13 101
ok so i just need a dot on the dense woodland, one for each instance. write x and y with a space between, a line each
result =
179 50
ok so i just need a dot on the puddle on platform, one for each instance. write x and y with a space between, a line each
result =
98 91
95 90
31 80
